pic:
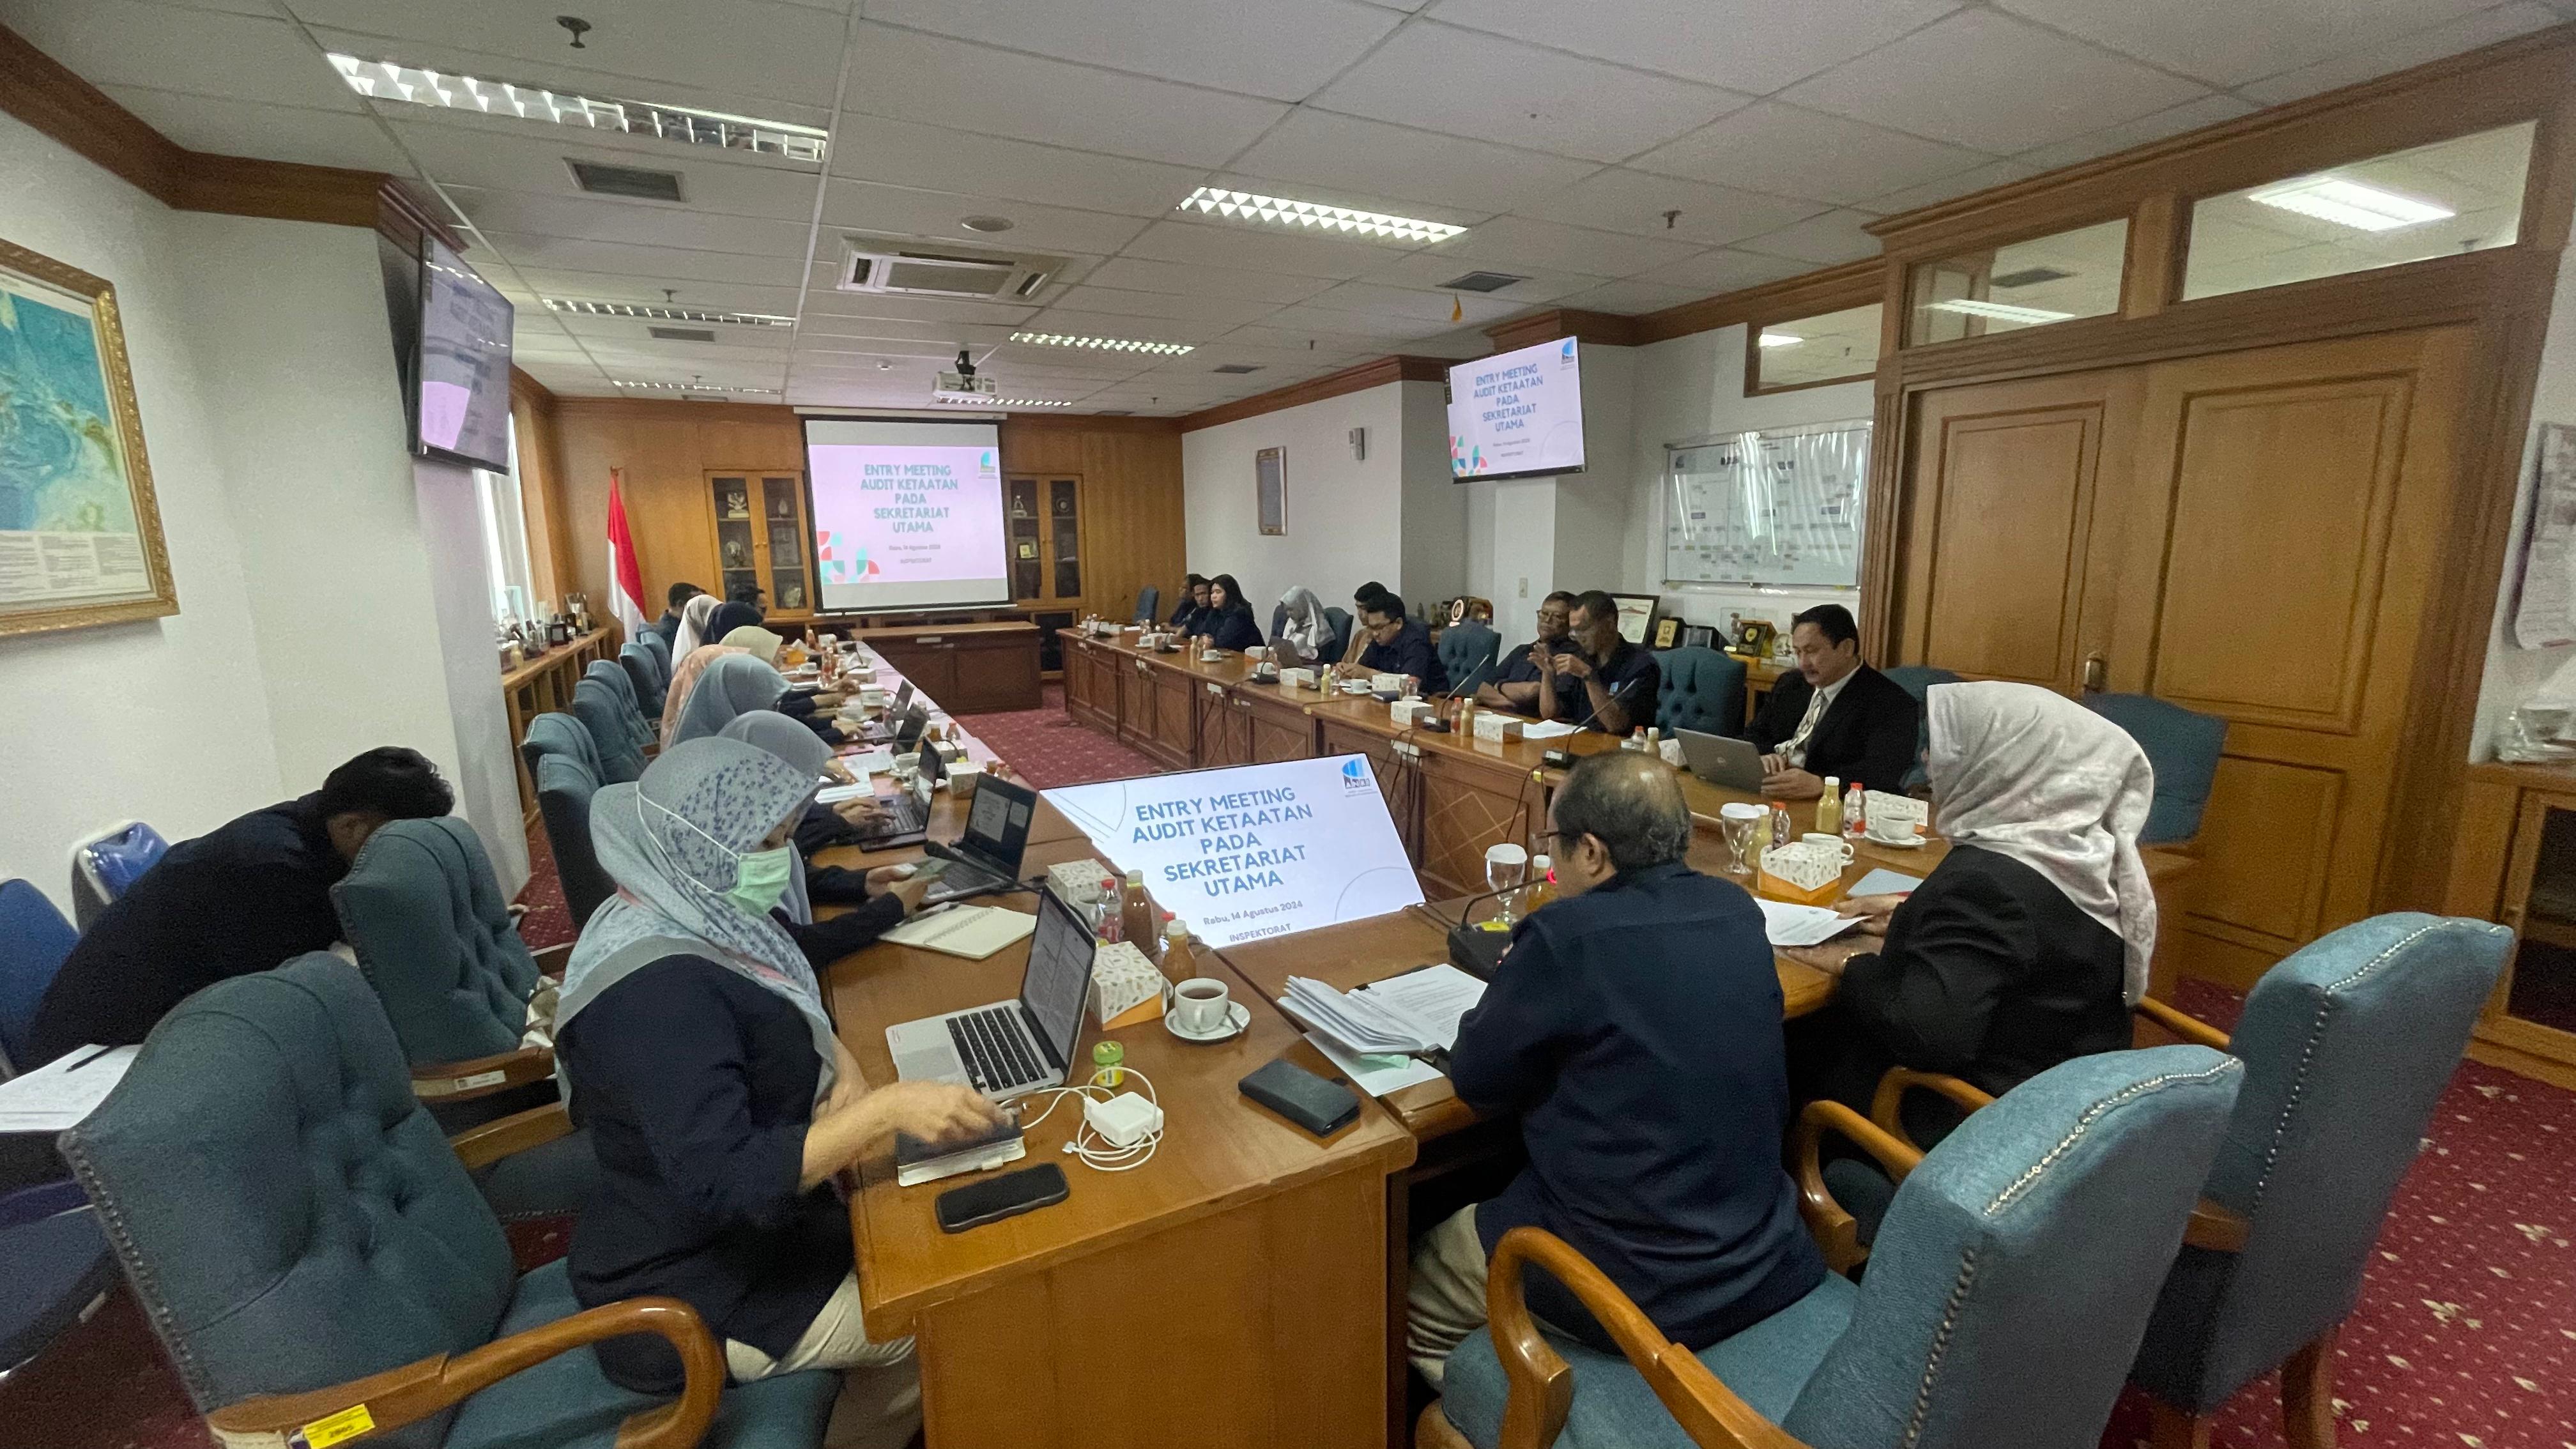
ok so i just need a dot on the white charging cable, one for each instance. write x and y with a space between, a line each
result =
1089 1143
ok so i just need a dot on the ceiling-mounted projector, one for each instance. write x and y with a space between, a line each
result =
962 385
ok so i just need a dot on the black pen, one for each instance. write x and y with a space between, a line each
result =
85 1061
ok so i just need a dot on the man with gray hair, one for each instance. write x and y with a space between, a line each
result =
1634 1028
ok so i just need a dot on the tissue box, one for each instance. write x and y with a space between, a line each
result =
1082 881
1298 678
1408 712
1386 683
1495 725
1802 873
1127 988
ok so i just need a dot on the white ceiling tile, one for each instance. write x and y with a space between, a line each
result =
1725 270
1381 327
547 253
2190 116
634 332
1787 151
1274 335
1754 46
1256 249
533 159
1407 302
202 52
1283 49
1137 274
1355 161
937 158
748 46
1116 302
1126 324
1992 83
1457 345
1617 199
1631 297
1993 173
2228 42
588 218
1509 242
905 74
617 287
2484 28
902 211
1427 270
1468 83
1824 240
827 310
270 133
896 334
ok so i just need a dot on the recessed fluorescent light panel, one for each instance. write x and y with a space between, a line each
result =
1103 344
386 80
2349 203
1313 216
1006 402
2000 311
648 312
696 387
1780 339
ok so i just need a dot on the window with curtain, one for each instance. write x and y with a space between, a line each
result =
505 537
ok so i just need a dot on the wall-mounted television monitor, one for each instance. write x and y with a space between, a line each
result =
461 378
1517 414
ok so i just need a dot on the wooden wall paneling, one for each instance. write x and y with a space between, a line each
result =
1853 284
1605 329
1132 524
1357 378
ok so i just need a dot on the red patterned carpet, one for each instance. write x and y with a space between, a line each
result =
2465 1337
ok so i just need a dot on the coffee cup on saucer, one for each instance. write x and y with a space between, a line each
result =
1826 840
1204 1010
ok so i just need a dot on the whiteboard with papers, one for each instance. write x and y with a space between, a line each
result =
1781 506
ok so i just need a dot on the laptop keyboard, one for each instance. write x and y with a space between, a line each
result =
993 1048
901 814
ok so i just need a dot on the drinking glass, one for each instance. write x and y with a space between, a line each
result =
1506 866
1739 840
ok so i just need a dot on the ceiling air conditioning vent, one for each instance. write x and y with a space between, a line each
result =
682 334
1480 282
601 180
1239 368
871 266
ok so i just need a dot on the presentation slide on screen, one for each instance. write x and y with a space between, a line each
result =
1517 413
907 515
1254 851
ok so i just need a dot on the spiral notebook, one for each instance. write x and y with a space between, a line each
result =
973 932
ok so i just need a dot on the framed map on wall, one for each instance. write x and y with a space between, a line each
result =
80 535
1781 506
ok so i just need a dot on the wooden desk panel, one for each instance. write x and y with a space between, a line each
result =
968 667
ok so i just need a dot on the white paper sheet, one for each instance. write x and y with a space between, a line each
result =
1883 883
62 1092
1547 729
1375 1075
1788 924
1437 995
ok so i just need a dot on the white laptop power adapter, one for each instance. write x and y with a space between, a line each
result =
1124 1120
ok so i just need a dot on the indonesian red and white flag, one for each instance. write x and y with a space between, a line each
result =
625 575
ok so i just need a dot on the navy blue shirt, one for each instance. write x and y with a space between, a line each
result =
1630 674
1411 653
1636 1030
1229 628
697 1087
1186 616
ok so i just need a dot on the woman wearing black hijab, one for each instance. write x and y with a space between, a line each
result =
1228 622
731 616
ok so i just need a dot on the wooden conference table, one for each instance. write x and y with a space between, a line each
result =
1247 1285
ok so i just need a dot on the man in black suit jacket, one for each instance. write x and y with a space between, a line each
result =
1836 716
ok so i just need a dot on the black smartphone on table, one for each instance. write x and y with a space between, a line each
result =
996 1198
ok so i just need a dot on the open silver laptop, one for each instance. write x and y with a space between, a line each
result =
1735 764
1010 1047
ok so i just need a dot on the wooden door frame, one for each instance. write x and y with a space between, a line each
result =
2503 295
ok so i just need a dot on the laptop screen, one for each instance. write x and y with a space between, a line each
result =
902 697
997 824
1059 976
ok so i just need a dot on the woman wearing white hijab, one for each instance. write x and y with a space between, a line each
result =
694 617
1305 627
693 1044
2026 946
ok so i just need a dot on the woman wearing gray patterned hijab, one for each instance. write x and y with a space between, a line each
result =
694 1046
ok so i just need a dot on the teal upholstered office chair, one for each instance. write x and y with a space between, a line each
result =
1466 647
564 789
638 728
1340 619
1917 680
434 937
661 648
1702 690
2347 1045
1148 599
614 730
34 940
554 733
2184 747
642 679
2012 1283
304 1241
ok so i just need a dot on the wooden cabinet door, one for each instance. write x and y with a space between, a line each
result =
1278 732
1135 701
2299 492
1176 721
2001 524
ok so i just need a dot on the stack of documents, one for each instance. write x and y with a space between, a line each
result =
58 1095
1403 1015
